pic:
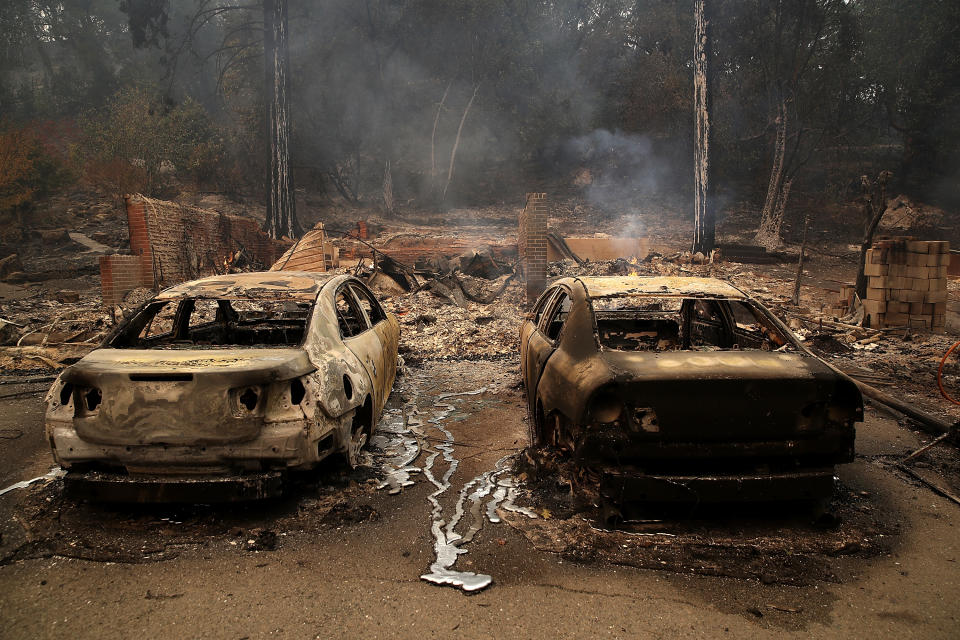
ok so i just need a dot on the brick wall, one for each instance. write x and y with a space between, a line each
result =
170 243
532 244
119 275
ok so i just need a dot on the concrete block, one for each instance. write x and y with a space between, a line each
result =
909 295
896 319
875 269
874 307
877 294
936 296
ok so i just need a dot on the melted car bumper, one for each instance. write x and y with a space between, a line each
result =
809 484
282 445
117 487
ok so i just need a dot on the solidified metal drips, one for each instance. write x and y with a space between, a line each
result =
446 541
56 472
396 449
398 440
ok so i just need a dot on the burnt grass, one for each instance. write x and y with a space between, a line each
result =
793 543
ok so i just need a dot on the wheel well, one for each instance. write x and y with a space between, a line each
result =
364 415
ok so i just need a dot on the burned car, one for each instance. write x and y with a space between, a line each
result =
677 389
216 387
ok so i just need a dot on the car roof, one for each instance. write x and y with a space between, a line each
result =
263 285
613 286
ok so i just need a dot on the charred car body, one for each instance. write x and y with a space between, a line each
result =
216 387
677 389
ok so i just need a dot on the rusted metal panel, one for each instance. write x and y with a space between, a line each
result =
600 286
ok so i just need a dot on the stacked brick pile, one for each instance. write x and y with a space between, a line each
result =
907 283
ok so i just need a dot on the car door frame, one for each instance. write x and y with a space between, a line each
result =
540 347
387 364
365 345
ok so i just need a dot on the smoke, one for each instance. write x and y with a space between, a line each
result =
617 170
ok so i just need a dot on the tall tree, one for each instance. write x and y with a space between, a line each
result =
281 206
704 236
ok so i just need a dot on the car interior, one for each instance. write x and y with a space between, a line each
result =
640 323
192 323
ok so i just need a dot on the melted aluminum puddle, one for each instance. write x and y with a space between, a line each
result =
56 472
396 446
490 487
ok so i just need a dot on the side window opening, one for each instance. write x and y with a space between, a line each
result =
541 305
558 315
160 323
752 330
367 302
349 317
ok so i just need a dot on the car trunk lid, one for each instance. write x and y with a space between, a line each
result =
211 396
724 395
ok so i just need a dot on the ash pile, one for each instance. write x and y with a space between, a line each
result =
468 307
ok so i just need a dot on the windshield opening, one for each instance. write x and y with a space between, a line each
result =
673 323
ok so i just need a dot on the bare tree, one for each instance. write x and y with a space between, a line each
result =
874 206
281 209
456 142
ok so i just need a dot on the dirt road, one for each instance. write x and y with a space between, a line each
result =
339 557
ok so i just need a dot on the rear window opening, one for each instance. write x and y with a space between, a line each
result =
199 322
649 323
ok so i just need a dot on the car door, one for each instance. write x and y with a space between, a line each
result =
385 356
529 326
359 337
544 340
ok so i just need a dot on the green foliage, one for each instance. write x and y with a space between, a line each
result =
139 142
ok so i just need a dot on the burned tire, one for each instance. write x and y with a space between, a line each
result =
361 430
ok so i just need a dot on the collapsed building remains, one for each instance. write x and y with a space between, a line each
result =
532 245
313 252
171 242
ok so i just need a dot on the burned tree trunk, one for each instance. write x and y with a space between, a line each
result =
456 144
774 205
704 236
281 211
433 138
388 200
874 206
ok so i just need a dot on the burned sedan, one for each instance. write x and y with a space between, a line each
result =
215 387
676 389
